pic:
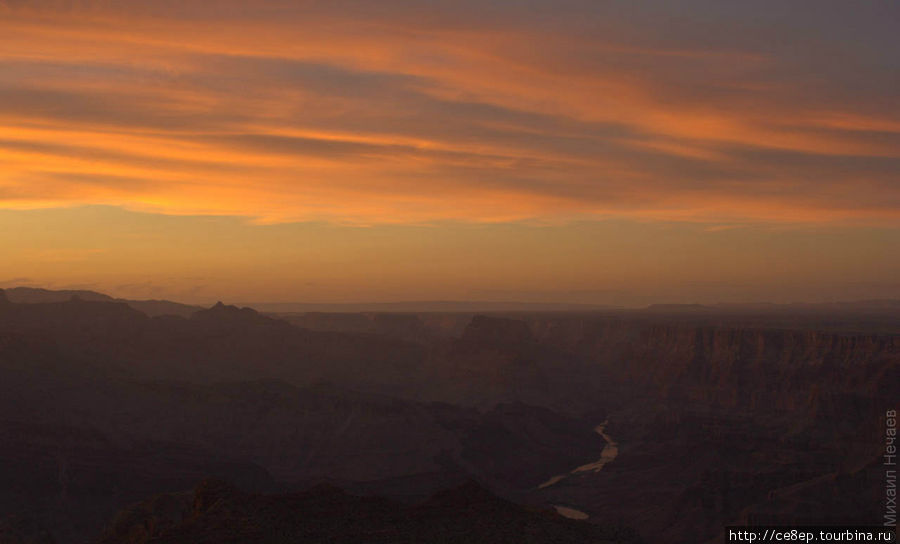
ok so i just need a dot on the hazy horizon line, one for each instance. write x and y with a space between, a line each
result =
463 304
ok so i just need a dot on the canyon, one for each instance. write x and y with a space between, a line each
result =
719 415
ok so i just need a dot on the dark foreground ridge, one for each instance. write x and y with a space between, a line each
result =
219 513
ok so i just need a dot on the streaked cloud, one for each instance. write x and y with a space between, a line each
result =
411 112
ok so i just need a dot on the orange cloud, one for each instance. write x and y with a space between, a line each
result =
390 115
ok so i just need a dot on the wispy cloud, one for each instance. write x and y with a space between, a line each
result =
410 112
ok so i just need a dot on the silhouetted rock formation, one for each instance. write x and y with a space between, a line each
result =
221 343
153 308
34 295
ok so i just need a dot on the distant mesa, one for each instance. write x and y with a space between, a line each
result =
34 295
152 308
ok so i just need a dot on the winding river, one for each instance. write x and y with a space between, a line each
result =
609 453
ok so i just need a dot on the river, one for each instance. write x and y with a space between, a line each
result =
607 455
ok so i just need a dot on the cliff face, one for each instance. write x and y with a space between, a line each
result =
595 364
750 369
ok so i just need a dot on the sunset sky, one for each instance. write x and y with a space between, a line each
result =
623 152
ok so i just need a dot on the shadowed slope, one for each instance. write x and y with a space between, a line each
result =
219 513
